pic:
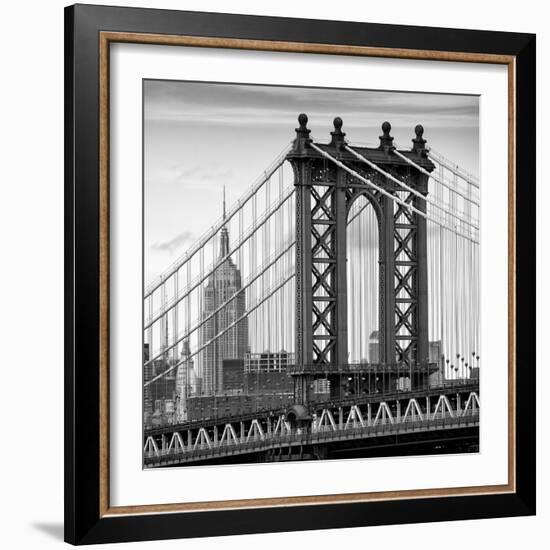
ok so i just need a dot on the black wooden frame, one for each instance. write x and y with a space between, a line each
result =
83 524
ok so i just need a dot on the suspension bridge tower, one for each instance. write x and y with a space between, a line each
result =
328 179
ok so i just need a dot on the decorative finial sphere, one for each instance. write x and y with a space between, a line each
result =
419 130
386 127
338 123
302 119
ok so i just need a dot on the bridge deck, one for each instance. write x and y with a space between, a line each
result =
174 457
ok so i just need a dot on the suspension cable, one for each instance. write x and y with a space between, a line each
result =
256 225
435 178
222 332
407 187
388 194
178 264
454 168
204 320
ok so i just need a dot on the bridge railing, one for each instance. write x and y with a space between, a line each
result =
356 368
253 406
260 443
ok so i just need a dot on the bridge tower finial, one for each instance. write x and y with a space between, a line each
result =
419 143
302 140
338 136
386 141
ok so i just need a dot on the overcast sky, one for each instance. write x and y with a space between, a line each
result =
200 136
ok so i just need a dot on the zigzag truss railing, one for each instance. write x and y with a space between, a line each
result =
357 421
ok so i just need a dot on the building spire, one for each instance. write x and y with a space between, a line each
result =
224 234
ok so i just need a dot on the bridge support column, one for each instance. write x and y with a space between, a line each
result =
304 303
340 356
387 281
398 411
422 346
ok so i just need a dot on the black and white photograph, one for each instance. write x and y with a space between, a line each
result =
311 273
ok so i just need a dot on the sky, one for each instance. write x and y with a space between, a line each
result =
199 137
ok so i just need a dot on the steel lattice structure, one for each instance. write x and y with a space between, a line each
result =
325 193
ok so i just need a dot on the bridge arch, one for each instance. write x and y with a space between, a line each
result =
364 265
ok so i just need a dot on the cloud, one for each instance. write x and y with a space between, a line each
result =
173 244
202 173
207 104
190 175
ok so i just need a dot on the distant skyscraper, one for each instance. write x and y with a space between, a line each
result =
374 347
186 381
223 284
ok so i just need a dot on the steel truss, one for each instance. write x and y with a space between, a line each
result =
328 423
328 179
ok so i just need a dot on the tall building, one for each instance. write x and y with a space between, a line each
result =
374 347
186 381
223 286
159 395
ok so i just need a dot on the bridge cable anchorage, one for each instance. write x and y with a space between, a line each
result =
256 226
178 264
389 195
275 258
408 188
454 168
466 197
222 332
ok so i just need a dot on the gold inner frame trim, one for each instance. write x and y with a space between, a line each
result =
105 39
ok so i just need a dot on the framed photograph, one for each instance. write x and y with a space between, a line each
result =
300 278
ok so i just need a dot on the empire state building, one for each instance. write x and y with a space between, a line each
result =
228 338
